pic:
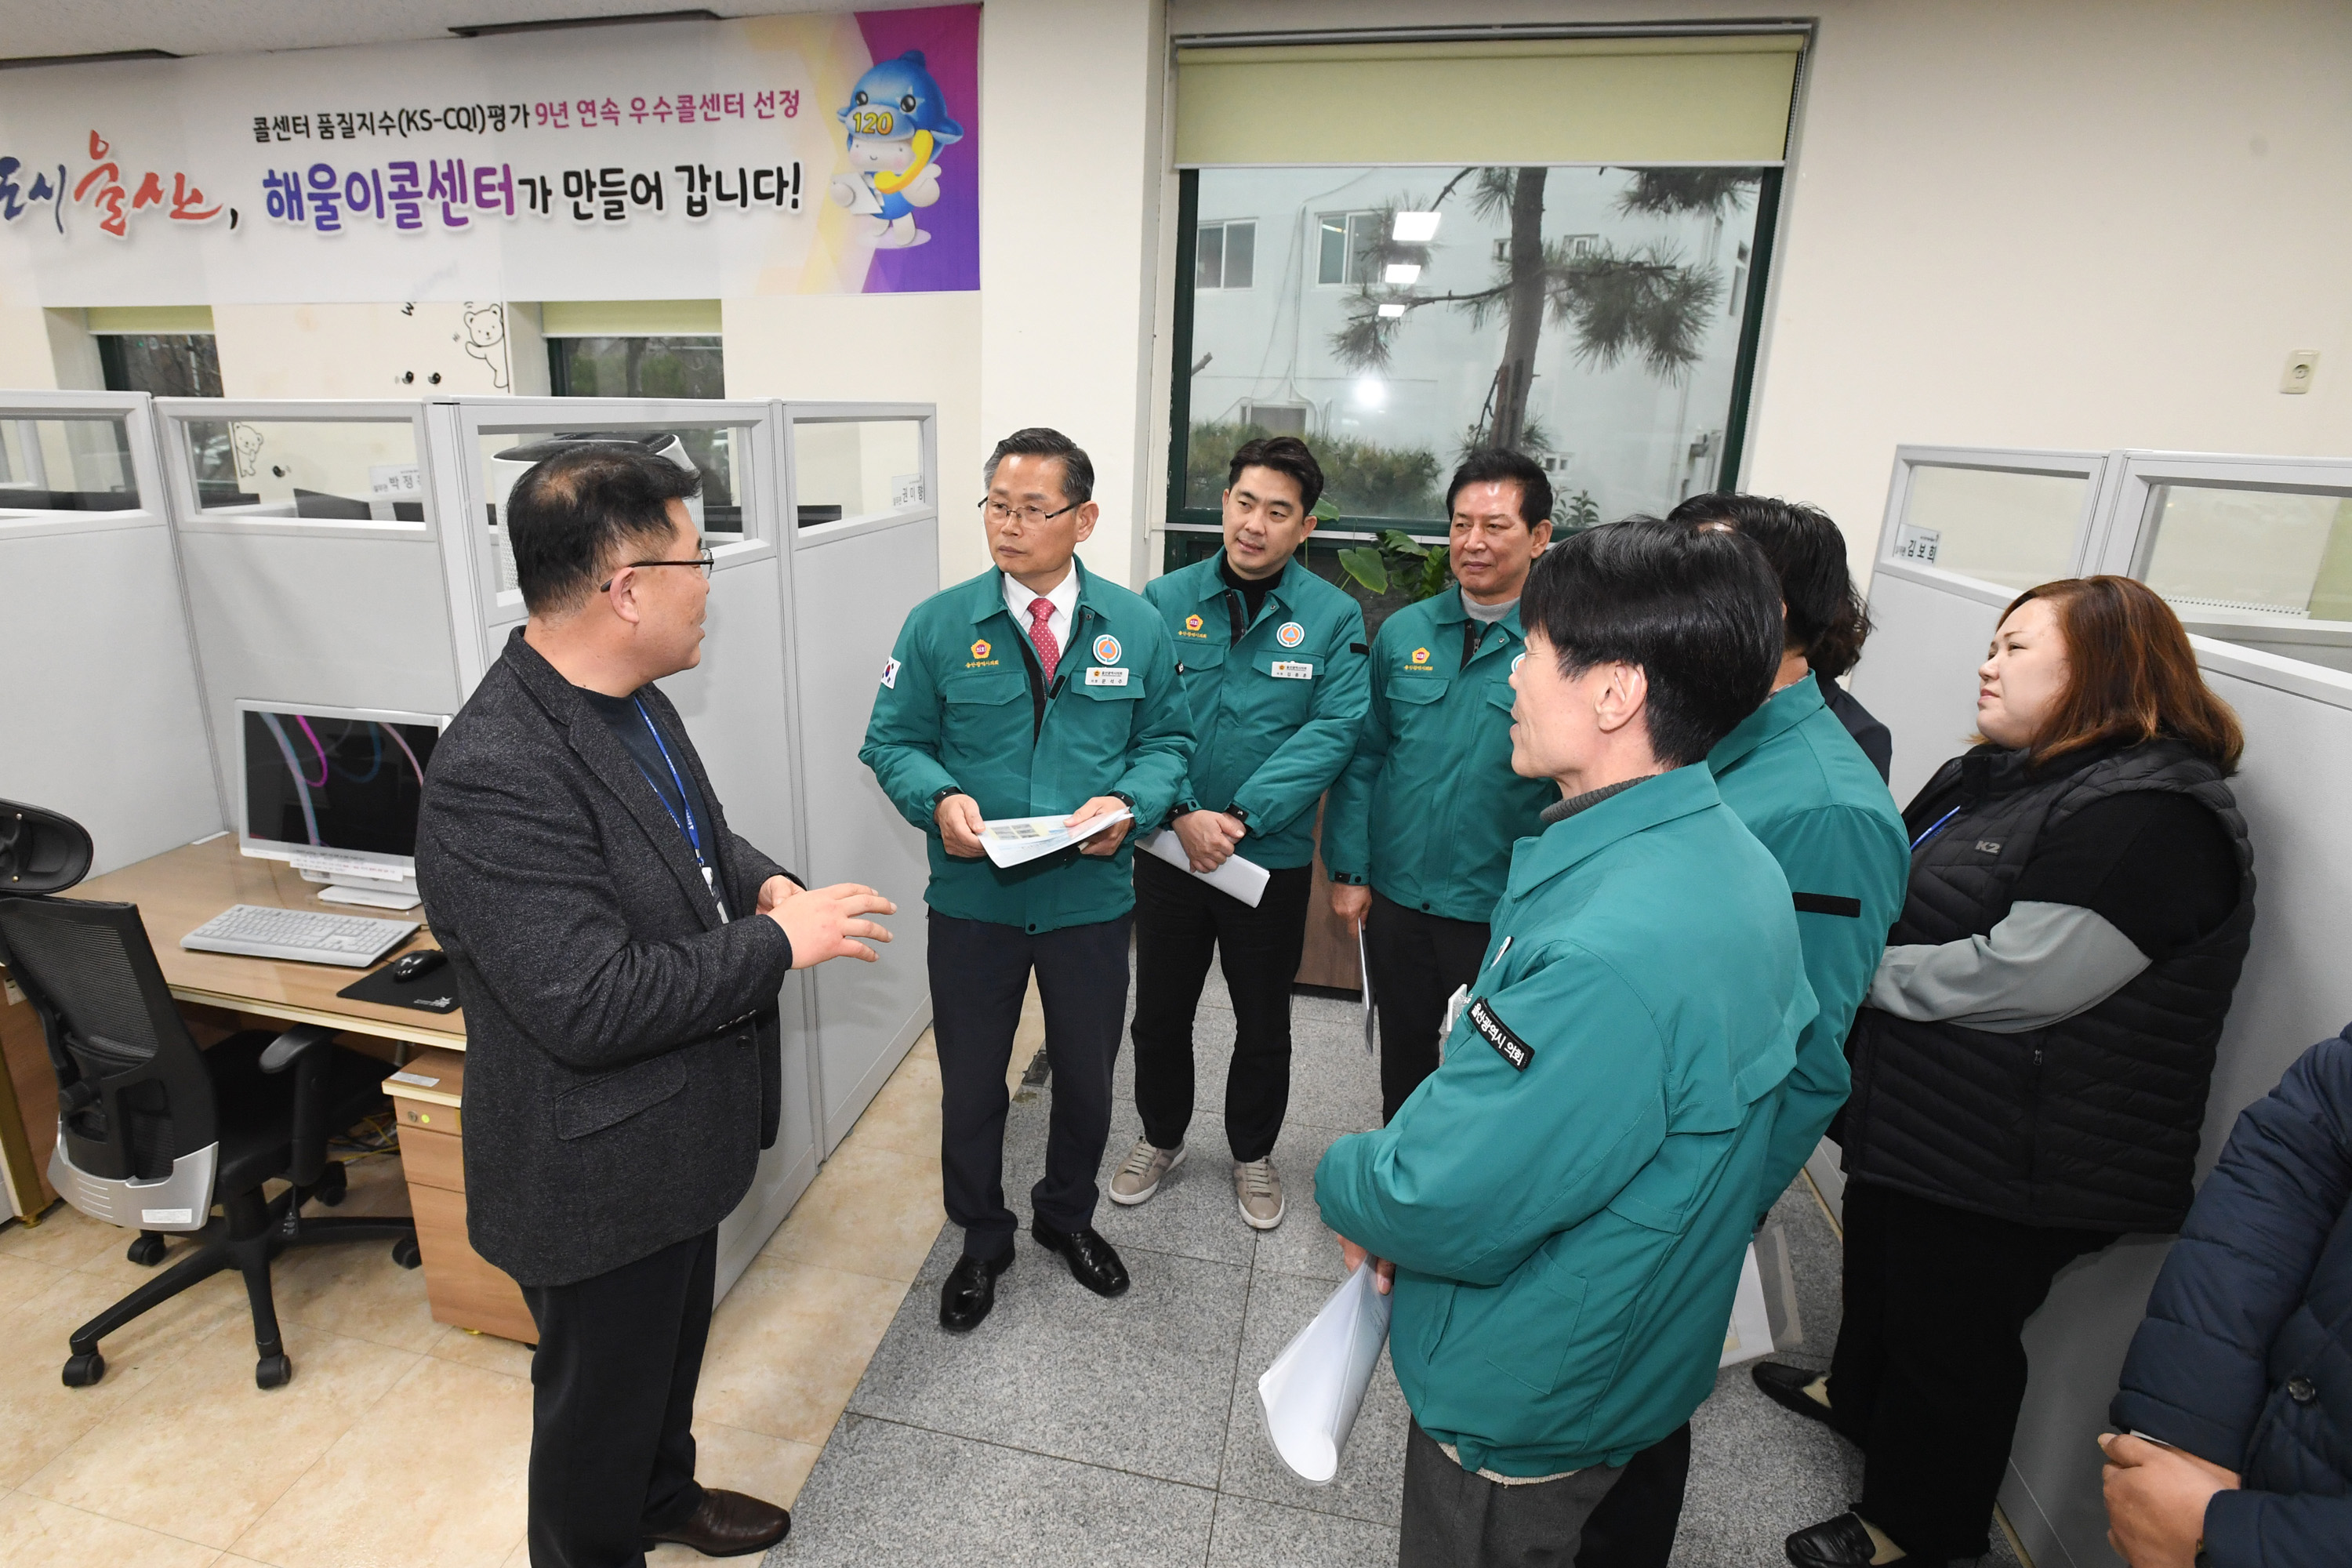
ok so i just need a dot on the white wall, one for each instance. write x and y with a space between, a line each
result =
2010 223
1070 246
894 348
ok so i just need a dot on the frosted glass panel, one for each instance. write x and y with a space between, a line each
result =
2257 551
66 465
2011 529
854 468
313 472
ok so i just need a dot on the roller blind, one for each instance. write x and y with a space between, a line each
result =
629 318
112 319
1711 99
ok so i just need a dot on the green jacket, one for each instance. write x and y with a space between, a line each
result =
1428 809
1568 1226
1802 786
957 711
1276 704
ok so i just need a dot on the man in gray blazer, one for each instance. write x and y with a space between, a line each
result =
619 951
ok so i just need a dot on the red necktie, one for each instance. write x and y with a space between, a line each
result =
1041 632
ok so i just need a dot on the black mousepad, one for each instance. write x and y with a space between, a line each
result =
436 990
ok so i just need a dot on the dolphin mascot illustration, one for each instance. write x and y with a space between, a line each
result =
897 121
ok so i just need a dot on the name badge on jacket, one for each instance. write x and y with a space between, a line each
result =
1287 671
1100 677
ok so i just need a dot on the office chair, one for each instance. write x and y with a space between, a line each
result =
152 1131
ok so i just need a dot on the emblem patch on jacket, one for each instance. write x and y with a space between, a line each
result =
1498 1034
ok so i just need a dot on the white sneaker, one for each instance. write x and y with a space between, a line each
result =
1257 1188
1146 1167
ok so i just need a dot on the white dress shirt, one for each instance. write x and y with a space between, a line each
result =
1065 599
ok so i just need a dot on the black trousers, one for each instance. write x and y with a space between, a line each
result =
1455 1519
1418 960
612 1418
1634 1526
1930 1368
980 971
1179 921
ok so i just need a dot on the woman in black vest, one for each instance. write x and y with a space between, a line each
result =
2029 1068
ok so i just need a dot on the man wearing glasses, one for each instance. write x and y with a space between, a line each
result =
618 951
1035 688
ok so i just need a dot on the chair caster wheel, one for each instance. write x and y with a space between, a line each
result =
82 1371
404 1253
332 1185
272 1372
147 1251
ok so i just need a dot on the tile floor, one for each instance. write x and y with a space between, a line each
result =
402 1441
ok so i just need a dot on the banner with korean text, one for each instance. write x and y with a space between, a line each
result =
805 154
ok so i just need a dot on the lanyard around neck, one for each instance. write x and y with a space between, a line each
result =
688 826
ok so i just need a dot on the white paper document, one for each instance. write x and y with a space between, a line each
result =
1364 968
1016 840
1749 1334
1243 879
1311 1394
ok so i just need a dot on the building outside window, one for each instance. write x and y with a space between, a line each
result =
1226 255
1592 316
162 365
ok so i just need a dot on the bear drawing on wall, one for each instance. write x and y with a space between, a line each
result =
486 339
897 121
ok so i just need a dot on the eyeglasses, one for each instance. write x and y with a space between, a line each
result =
706 560
997 511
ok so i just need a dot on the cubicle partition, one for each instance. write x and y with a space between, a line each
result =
2255 554
861 484
318 567
98 711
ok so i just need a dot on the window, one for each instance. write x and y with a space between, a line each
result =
664 366
1226 255
1385 333
163 365
1346 240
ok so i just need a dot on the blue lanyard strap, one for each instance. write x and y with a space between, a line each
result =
693 832
1936 827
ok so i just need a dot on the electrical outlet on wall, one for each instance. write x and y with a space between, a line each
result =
2301 365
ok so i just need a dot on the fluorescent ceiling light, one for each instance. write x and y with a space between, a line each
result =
1414 228
1392 312
1406 272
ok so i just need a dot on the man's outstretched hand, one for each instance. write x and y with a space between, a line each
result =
825 923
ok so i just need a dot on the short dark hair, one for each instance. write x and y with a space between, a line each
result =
1698 610
1284 455
1828 618
1498 463
570 515
1038 441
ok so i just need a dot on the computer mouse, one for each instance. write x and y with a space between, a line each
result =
415 966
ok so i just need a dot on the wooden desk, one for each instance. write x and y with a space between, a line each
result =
182 889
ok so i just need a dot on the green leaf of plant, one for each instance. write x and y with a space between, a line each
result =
1366 567
1397 542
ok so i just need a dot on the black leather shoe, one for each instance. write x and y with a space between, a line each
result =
1842 1543
1094 1262
728 1524
970 1291
1785 1386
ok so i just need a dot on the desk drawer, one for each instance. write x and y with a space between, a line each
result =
429 1114
433 1158
464 1288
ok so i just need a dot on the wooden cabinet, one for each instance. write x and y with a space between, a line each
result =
1328 960
429 1098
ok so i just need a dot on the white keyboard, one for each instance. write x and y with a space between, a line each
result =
307 936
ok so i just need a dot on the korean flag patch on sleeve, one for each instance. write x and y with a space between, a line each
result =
890 673
1498 1034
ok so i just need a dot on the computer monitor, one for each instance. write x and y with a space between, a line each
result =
334 791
